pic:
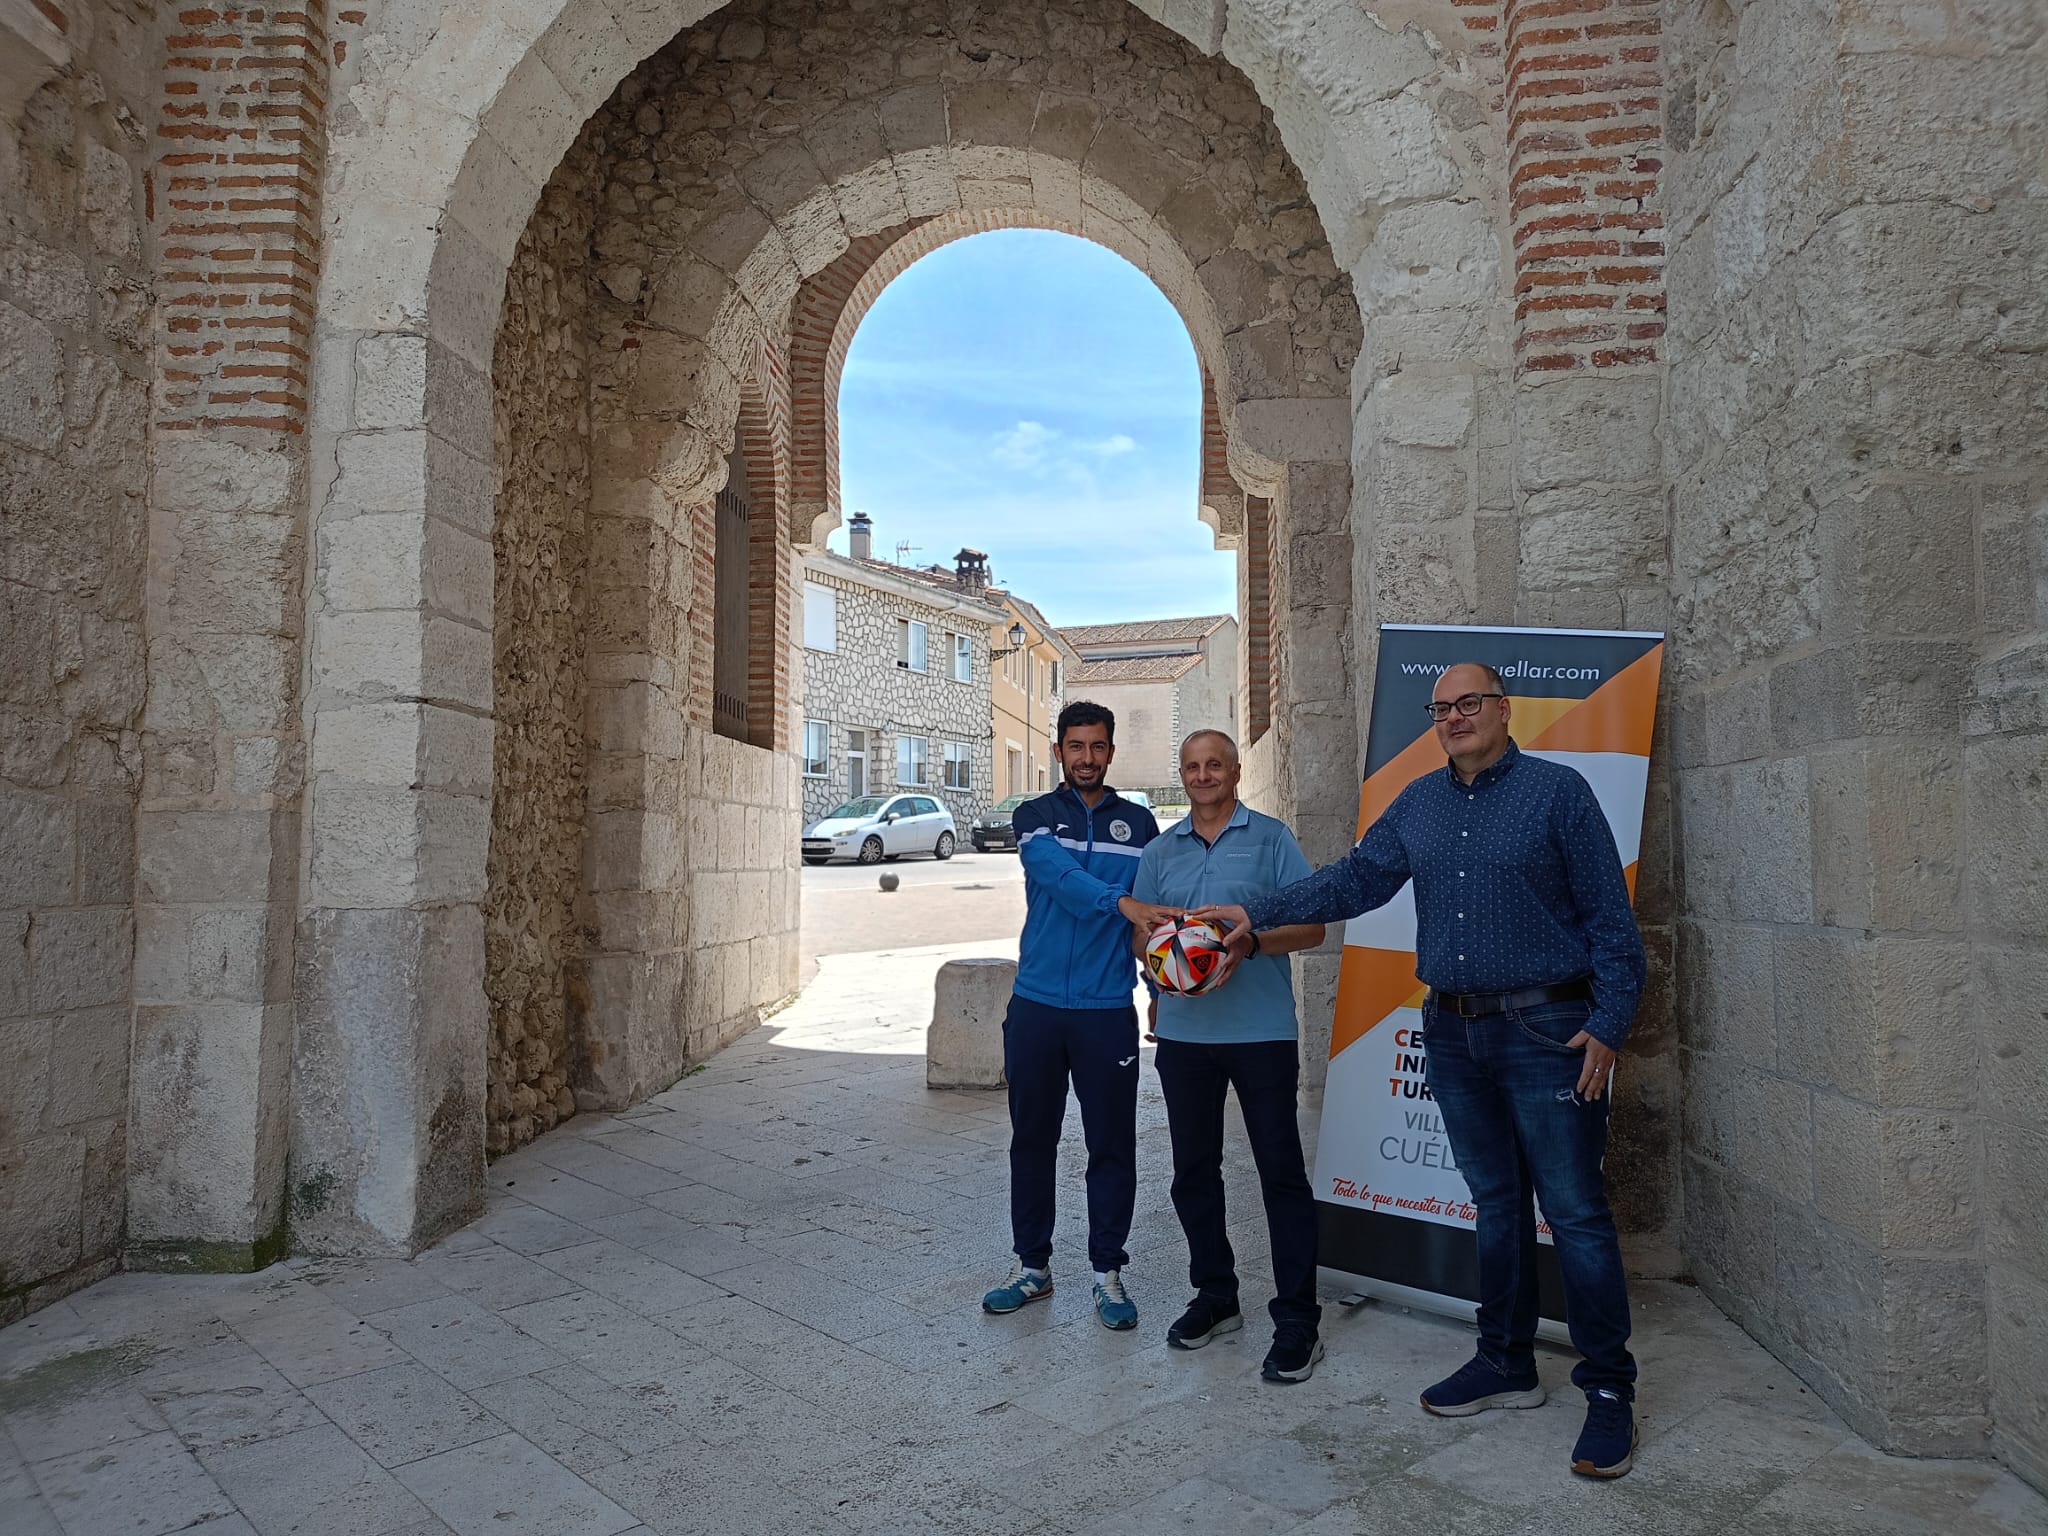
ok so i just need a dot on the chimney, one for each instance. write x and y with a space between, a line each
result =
970 568
860 537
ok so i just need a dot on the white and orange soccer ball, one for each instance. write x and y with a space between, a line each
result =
1187 958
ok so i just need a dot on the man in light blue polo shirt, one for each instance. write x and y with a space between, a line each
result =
1240 1035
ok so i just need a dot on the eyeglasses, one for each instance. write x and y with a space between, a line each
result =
1464 704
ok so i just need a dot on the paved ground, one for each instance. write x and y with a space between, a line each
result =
971 896
748 1308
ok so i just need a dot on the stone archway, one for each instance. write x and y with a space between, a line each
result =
430 187
719 244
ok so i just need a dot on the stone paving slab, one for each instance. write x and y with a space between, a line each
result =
750 1308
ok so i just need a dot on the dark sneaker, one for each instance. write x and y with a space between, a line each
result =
1476 1386
1203 1320
1293 1356
1607 1445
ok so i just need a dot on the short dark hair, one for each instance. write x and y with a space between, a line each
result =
1083 712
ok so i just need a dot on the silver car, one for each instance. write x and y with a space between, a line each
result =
878 827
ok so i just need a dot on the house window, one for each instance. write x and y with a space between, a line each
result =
1055 685
912 757
816 734
910 643
963 659
959 765
821 617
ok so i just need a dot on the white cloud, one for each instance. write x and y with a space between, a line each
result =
1024 445
1110 447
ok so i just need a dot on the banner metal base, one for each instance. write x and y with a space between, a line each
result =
1362 1288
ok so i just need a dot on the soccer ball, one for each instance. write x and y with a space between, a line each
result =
1187 958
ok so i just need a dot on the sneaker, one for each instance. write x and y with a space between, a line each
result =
1607 1445
1113 1309
1022 1286
1203 1320
1293 1356
1477 1386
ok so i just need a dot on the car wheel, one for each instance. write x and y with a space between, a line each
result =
944 850
871 851
808 859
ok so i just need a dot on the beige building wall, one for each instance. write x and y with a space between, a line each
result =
1144 731
1024 701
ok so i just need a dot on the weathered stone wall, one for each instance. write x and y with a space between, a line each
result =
1857 468
1144 730
75 106
858 686
1207 696
533 950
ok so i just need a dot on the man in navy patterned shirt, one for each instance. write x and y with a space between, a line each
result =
1525 939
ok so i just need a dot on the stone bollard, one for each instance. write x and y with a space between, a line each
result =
964 1046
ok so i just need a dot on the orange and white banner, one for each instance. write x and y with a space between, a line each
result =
1393 1206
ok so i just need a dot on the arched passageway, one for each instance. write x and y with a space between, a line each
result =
723 269
689 251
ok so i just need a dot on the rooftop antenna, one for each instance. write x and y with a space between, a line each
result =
904 547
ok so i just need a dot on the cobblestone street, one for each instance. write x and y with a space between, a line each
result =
749 1307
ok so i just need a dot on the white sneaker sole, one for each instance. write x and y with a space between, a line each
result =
1289 1378
1197 1340
1620 1468
1533 1398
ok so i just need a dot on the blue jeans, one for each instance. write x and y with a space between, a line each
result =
1507 1085
1266 1073
1097 1049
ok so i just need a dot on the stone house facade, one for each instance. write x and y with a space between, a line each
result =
370 378
1163 678
895 687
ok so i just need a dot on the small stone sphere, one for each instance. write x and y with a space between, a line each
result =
889 882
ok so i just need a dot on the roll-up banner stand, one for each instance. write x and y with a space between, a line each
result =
1395 1217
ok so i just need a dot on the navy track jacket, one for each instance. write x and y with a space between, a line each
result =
1076 949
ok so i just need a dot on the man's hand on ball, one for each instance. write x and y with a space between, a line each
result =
1235 922
1145 914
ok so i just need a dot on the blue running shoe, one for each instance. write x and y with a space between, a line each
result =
1476 1386
1113 1309
1022 1286
1607 1445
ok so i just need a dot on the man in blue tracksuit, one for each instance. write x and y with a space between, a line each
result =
1071 1015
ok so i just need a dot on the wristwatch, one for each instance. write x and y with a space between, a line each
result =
1255 943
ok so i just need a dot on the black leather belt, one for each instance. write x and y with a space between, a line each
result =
1474 1005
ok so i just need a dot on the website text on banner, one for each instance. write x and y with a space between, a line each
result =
1393 1207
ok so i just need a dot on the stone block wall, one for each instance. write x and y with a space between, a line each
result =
738 949
76 91
1857 477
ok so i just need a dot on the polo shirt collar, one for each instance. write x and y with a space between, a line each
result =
1490 775
1241 817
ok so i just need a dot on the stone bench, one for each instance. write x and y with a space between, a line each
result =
963 1048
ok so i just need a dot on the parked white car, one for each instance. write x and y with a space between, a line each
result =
878 827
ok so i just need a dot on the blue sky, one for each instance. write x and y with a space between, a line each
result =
1034 395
